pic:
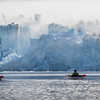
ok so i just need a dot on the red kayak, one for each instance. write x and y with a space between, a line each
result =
77 77
1 77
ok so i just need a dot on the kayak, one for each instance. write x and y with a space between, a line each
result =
1 77
76 77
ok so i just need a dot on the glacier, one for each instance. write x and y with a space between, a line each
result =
50 47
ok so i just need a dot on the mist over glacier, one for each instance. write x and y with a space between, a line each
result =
54 47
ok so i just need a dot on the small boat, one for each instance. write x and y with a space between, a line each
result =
1 77
76 77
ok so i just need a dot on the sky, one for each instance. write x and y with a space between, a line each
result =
59 11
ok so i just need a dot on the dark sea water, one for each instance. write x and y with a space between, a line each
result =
49 86
48 75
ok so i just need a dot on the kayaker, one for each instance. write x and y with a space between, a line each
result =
75 73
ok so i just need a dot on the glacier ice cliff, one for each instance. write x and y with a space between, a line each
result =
58 48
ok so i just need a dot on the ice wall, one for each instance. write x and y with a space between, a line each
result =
53 46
